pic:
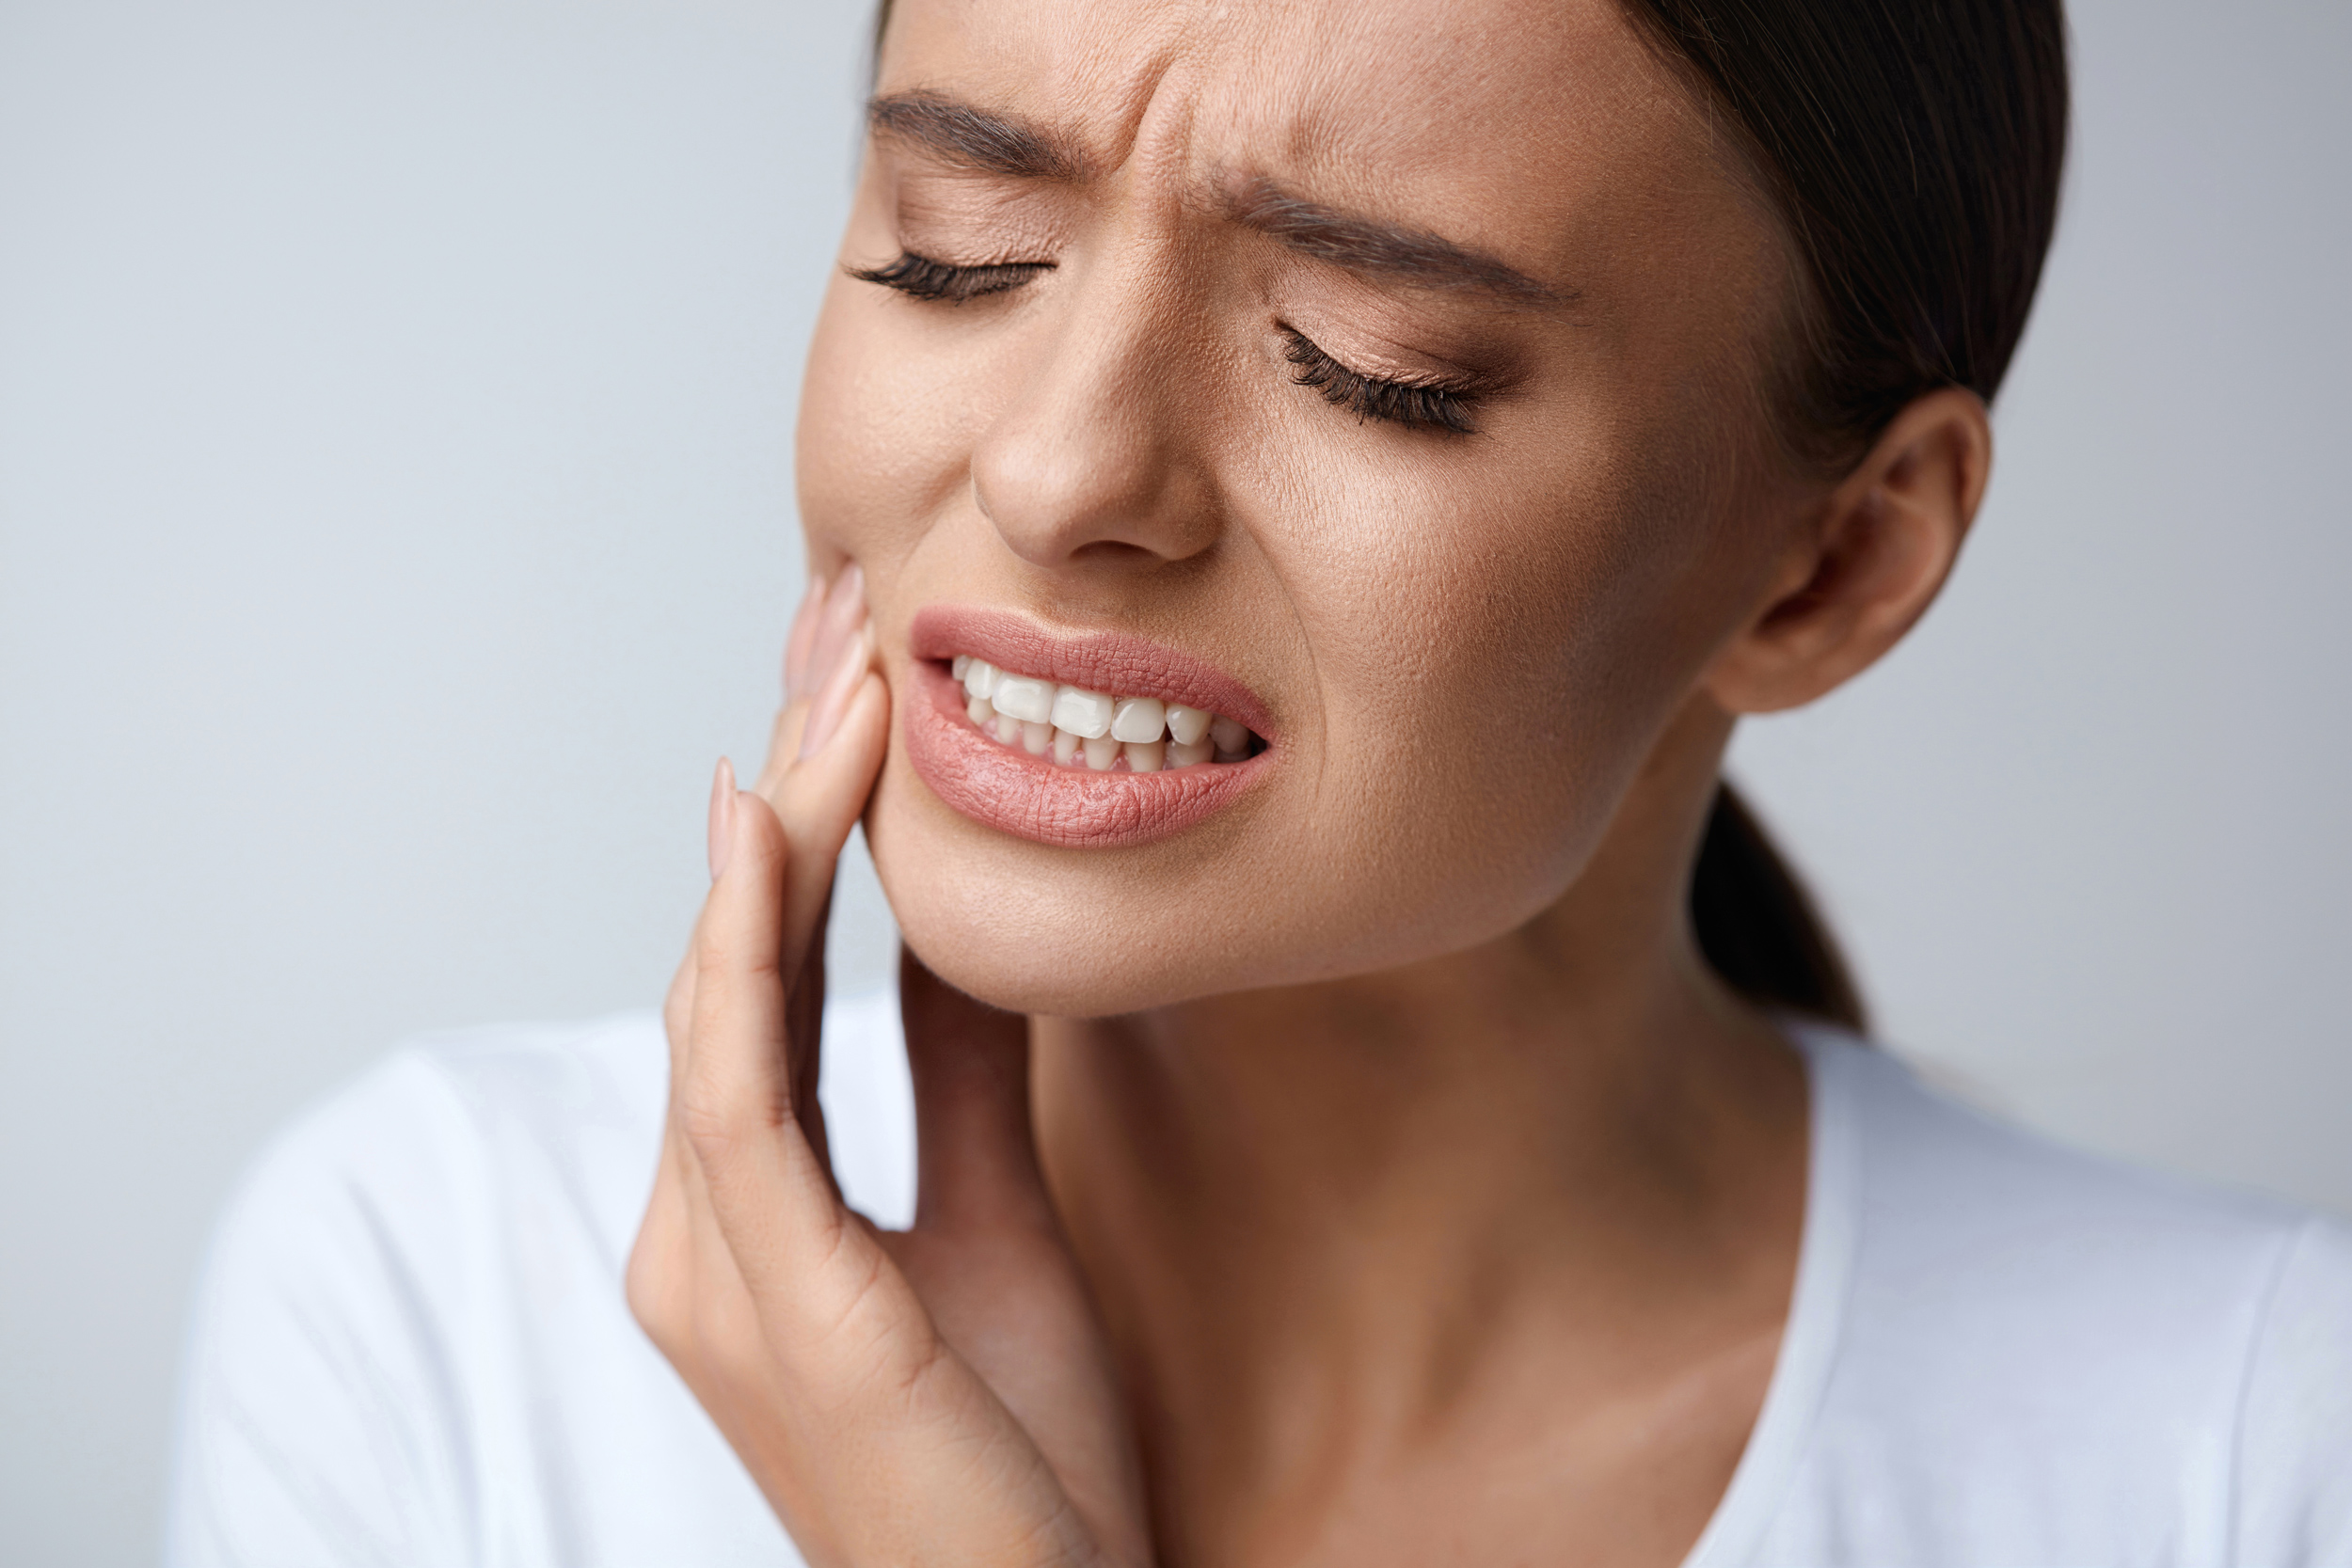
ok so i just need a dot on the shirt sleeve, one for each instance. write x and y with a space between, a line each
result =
321 1419
2295 1455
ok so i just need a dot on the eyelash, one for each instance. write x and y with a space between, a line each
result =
925 278
1417 406
1421 405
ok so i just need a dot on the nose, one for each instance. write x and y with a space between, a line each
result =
1095 457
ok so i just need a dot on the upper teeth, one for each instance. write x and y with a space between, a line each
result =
1070 719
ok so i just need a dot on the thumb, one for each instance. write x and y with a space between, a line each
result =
976 1155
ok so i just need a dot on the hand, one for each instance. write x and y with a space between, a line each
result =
940 1395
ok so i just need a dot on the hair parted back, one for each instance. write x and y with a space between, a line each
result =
1914 149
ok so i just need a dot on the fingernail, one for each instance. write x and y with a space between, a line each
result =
844 608
797 642
841 684
721 817
848 590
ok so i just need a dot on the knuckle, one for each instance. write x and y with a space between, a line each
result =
718 1127
720 1112
722 957
852 1321
714 1131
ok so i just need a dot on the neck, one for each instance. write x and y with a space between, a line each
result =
1323 1219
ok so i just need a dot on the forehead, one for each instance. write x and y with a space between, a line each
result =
1518 125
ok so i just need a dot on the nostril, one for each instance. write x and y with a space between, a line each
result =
1115 552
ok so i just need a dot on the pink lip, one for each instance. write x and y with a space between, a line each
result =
1029 797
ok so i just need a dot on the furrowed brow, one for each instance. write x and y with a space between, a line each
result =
975 138
1382 249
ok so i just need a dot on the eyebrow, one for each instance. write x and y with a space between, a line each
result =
975 138
1383 249
1000 144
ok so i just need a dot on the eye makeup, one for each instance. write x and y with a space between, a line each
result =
924 278
1430 403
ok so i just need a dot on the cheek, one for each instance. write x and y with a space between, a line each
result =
880 445
1473 654
1479 689
1495 669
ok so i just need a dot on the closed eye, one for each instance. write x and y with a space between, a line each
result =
924 278
1431 405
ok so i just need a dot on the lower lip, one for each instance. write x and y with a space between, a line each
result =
1037 800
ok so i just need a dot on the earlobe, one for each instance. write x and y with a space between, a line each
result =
1867 563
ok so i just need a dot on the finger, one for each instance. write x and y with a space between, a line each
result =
838 618
825 632
818 807
823 793
833 1312
736 1098
805 1016
801 639
677 1003
805 997
783 744
677 1007
976 1152
819 801
664 1261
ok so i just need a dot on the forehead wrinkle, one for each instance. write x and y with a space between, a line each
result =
1004 142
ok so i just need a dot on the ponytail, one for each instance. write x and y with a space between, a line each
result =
1756 926
1914 153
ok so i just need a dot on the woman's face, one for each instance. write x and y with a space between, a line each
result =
1093 458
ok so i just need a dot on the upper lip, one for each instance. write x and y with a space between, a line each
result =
1114 662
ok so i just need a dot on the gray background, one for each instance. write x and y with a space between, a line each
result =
395 521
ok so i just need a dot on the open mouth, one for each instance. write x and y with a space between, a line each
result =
1102 732
1095 739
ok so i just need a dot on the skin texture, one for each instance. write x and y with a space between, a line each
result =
1120 443
1379 1175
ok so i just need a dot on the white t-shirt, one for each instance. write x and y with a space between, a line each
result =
411 1349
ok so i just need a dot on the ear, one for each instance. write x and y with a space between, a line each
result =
1871 562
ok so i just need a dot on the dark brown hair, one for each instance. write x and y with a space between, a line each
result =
1914 147
1756 926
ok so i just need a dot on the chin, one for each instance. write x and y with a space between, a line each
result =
1037 887
1041 978
1069 929
1024 929
1075 933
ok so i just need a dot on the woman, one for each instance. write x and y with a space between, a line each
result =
1299 496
